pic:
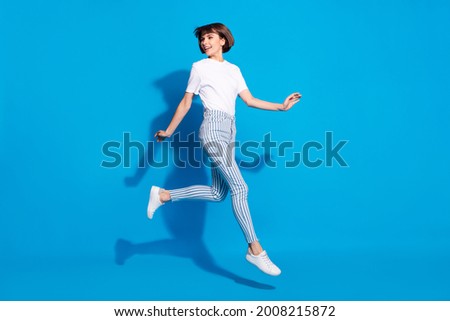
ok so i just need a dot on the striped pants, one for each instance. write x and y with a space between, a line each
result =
217 135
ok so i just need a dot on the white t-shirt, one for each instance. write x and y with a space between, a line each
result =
217 83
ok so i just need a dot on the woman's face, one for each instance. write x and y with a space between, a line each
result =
212 44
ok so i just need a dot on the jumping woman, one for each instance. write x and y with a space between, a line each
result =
219 82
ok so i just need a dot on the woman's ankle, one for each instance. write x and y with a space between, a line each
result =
255 248
164 196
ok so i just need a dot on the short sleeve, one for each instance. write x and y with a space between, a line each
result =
193 85
241 82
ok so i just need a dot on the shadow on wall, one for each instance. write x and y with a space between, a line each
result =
185 221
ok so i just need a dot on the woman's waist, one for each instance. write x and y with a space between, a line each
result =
218 125
215 113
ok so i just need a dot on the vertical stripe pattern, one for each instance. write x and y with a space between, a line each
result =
217 135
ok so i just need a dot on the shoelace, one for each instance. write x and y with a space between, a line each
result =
267 261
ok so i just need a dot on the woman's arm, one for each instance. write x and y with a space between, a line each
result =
251 101
181 111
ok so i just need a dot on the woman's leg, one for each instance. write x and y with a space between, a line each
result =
225 175
215 193
222 156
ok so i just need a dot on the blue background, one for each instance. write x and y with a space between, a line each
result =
76 74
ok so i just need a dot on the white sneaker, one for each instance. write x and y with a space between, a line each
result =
154 202
263 263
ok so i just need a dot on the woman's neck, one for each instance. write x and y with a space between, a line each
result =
218 58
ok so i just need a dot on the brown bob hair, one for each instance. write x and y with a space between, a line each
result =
218 28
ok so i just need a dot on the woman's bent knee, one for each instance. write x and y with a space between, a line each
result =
219 195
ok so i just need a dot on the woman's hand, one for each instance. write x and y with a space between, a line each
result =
161 135
290 101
